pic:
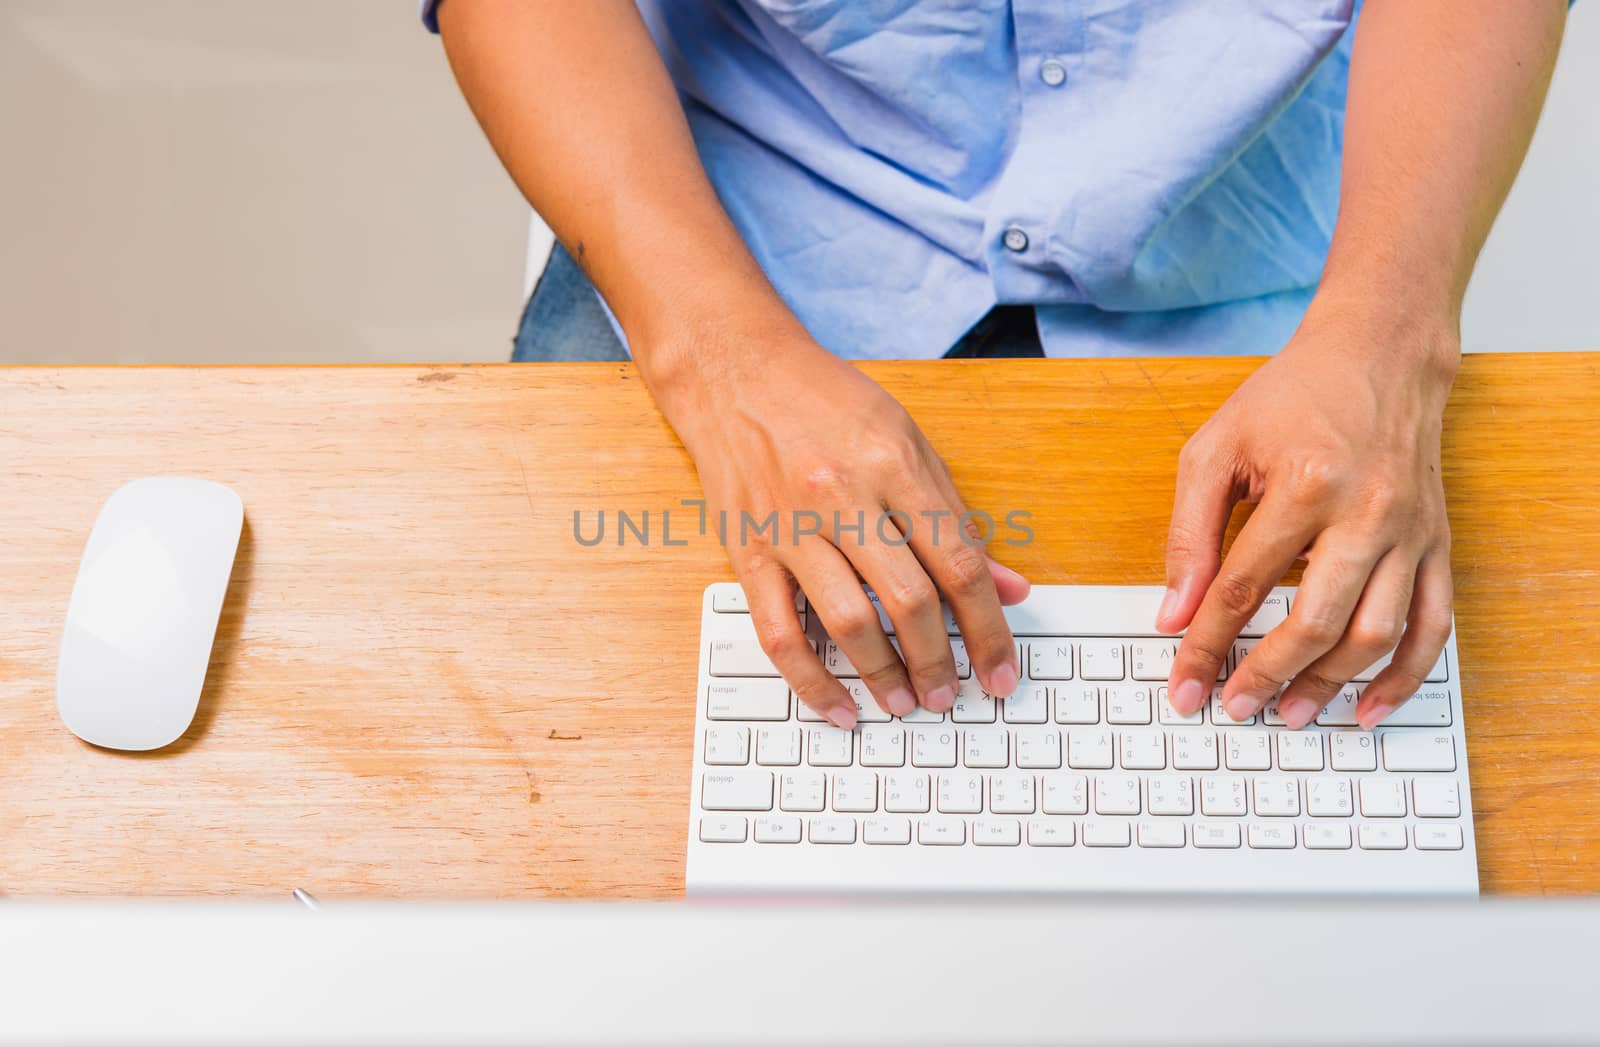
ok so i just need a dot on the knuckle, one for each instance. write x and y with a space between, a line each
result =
1197 650
1375 634
966 572
1318 683
819 694
824 480
909 597
889 457
1314 479
1316 628
851 622
1255 677
781 640
1238 595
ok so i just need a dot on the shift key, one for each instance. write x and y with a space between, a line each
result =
756 698
736 791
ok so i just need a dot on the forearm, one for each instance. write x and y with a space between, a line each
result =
578 105
1443 99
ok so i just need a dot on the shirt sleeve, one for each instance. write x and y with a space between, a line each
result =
429 10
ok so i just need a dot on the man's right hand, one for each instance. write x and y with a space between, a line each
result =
790 429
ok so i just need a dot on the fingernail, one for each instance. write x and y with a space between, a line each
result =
940 699
1169 603
901 701
1375 714
1298 711
1240 707
1190 695
1003 680
842 718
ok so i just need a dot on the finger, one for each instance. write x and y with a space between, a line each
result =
1339 566
1427 630
770 588
841 604
1375 627
1272 540
959 565
1201 505
911 601
1010 586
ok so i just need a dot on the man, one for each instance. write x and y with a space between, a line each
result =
758 188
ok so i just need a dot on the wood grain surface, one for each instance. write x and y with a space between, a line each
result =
423 686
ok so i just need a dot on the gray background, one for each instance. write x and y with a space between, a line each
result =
297 180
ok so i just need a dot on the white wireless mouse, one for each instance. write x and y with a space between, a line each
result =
144 611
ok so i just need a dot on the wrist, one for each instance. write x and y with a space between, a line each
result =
1387 332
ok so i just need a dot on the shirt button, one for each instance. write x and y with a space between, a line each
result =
1015 240
1053 73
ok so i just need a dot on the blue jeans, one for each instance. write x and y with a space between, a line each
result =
565 321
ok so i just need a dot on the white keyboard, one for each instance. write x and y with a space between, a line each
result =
1085 780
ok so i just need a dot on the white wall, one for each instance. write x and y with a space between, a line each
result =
1537 285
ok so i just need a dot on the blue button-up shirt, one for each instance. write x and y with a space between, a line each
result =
1155 177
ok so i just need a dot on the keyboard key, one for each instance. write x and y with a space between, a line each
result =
777 829
829 747
1168 715
1064 794
1051 832
1050 660
836 661
1418 751
736 791
1248 751
855 792
727 746
1329 798
731 600
1011 793
1429 707
1090 749
941 832
1381 836
933 747
958 650
1437 836
1438 674
737 652
1030 704
1277 797
1152 659
1170 794
747 700
867 708
1273 610
1100 660
1383 797
921 715
1144 750
801 790
1299 751
1271 836
1116 794
1222 795
723 830
1153 833
1215 835
987 747
1127 703
1435 798
1194 750
1077 704
1326 836
1341 710
1098 833
778 746
960 793
1219 715
996 832
886 831
1039 749
973 704
1353 751
833 830
883 747
905 792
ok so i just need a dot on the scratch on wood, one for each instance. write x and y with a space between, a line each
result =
557 736
436 376
1162 397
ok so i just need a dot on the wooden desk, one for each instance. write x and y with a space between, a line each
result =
423 686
